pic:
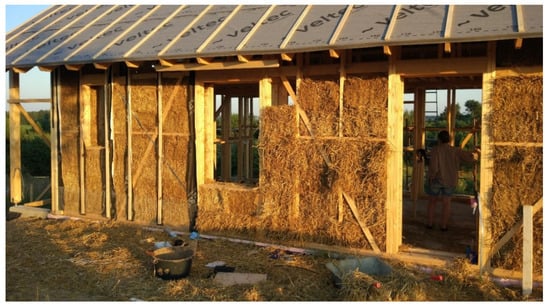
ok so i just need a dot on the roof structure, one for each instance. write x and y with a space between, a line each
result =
82 34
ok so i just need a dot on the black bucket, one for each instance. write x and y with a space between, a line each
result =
172 262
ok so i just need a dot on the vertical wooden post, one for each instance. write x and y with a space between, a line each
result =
129 127
342 81
226 132
54 137
241 137
419 143
486 162
16 176
527 279
200 138
83 140
394 161
159 148
209 123
107 98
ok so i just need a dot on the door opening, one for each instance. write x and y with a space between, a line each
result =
430 107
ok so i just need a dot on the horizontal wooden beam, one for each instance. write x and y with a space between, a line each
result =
30 100
222 66
442 67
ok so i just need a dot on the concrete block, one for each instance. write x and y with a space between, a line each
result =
231 278
30 212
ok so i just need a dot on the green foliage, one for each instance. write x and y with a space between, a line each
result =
35 153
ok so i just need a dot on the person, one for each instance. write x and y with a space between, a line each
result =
442 177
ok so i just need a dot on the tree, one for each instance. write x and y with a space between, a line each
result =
474 108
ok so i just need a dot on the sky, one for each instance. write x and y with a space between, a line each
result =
34 83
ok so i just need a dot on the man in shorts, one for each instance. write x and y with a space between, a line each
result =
442 178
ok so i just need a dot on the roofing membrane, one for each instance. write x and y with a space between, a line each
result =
79 34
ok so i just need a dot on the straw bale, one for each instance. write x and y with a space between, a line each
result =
365 110
145 189
227 206
120 147
175 153
278 163
320 100
517 109
144 103
294 169
94 175
144 116
69 148
517 181
517 175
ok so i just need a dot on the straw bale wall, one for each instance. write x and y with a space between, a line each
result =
69 130
517 173
299 193
144 128
175 129
228 206
120 148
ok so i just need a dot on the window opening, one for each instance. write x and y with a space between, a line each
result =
237 131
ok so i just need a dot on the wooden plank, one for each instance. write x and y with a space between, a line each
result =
38 203
519 71
513 231
448 27
107 137
16 195
419 143
527 261
129 156
226 134
343 77
486 161
517 144
220 65
200 139
251 33
443 67
394 161
340 26
160 159
54 132
34 125
295 26
391 23
83 140
31 100
364 228
209 124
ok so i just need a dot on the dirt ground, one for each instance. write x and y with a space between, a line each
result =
83 260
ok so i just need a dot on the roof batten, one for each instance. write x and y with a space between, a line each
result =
154 31
36 36
340 25
218 29
26 27
185 29
123 33
448 27
89 41
56 54
295 26
255 28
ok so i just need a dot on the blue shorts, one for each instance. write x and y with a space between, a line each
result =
436 189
